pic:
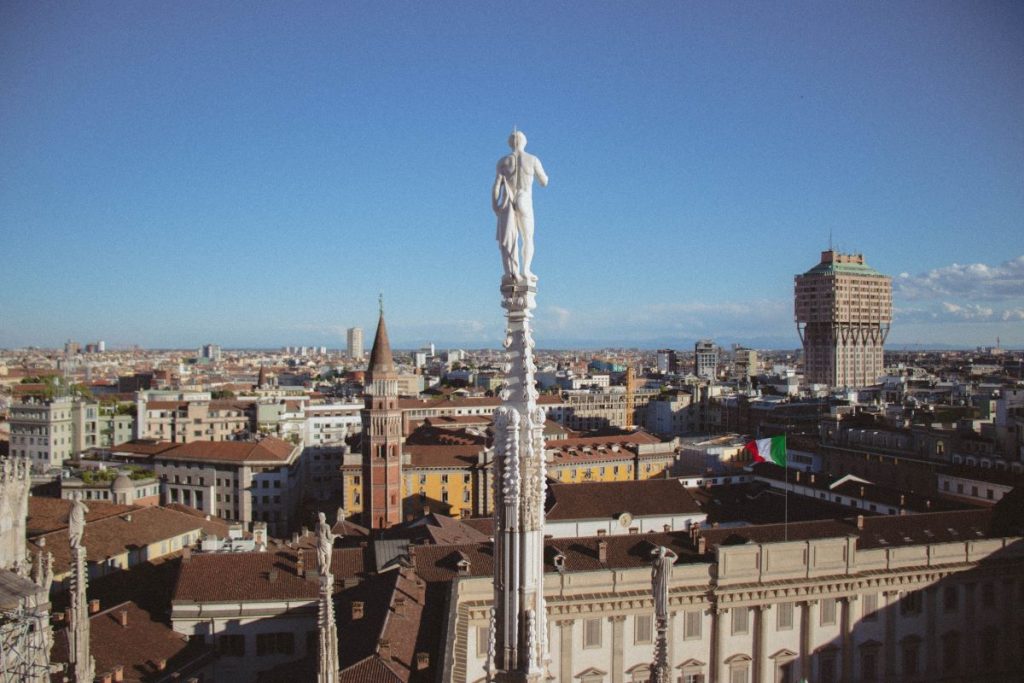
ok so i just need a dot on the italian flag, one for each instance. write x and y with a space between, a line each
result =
768 450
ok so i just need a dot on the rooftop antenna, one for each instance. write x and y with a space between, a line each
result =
830 239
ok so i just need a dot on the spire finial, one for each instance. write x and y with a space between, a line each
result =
380 302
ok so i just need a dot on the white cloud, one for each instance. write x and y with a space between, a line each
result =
977 281
968 312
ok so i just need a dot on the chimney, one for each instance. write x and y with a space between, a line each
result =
602 551
94 606
422 660
702 545
119 673
358 606
860 522
122 618
384 649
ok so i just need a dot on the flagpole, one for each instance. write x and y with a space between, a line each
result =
785 474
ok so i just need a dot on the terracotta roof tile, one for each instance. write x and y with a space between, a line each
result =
608 499
137 647
269 449
230 577
111 536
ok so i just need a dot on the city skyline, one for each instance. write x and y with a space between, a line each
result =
180 175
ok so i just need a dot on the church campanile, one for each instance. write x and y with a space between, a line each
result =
382 437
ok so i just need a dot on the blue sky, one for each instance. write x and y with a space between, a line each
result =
253 174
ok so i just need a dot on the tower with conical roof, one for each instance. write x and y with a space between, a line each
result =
382 436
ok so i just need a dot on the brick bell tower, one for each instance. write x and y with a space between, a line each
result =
382 436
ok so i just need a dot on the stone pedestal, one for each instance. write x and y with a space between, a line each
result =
328 655
519 490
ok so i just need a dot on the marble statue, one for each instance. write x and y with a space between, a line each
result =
76 522
512 201
324 544
661 571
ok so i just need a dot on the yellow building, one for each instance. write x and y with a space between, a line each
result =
449 470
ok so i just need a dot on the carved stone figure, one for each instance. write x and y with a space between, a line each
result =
76 523
512 201
661 572
324 544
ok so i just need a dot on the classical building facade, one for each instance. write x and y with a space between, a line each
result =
925 597
843 310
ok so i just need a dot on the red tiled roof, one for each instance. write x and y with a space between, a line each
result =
590 500
137 647
442 456
270 449
637 437
142 447
46 514
230 577
111 536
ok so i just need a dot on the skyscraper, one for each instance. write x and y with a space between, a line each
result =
843 310
355 342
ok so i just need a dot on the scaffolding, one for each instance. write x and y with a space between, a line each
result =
25 639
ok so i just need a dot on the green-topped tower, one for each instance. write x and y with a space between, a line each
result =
843 311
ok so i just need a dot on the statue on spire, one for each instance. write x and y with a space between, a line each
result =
512 202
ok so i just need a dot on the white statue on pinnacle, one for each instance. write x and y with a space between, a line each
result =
512 201
519 626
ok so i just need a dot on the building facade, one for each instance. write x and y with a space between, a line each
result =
889 601
354 340
705 359
843 311
42 431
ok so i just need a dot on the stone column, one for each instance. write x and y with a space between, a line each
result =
891 606
618 647
328 652
565 648
970 643
930 640
757 645
1008 648
847 637
805 640
714 661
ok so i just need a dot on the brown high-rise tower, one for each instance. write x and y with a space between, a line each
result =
843 310
382 437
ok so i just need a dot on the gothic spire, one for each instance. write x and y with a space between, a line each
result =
381 360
